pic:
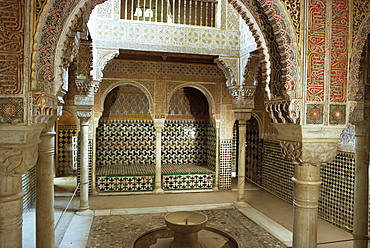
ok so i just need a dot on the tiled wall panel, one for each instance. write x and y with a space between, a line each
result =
336 192
125 142
277 172
64 143
225 163
185 142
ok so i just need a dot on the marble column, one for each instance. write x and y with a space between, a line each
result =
242 126
84 105
158 125
242 117
361 198
307 183
18 153
307 156
84 164
217 169
45 191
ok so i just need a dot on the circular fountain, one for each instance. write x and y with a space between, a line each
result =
185 229
186 225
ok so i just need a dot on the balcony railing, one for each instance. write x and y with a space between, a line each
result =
187 12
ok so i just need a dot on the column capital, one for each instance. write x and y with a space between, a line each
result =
84 105
242 115
313 145
309 153
18 148
159 123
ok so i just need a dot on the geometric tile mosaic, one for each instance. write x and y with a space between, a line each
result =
252 153
188 182
188 142
125 142
225 163
124 183
277 172
337 191
65 156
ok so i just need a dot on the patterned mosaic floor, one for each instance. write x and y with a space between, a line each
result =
149 169
123 230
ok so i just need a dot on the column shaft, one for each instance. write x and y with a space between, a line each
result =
361 199
11 208
158 125
307 183
45 192
84 165
241 161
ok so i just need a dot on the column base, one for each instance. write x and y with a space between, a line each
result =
215 189
86 212
158 191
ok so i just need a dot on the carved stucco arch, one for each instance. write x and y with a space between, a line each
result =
84 8
356 85
251 22
205 92
130 83
58 48
285 37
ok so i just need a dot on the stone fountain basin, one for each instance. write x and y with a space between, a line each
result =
186 221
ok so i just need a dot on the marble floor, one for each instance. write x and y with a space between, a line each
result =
116 221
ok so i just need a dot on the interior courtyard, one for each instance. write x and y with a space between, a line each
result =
114 113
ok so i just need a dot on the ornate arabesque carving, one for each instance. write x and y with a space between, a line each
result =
292 151
230 68
39 8
294 9
361 9
60 15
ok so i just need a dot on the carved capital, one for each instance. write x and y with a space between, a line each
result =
18 148
309 152
86 87
243 96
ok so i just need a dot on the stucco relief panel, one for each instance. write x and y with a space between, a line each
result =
316 50
339 52
12 20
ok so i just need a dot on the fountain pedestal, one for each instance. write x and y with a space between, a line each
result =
186 225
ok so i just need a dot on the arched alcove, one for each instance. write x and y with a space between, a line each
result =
188 142
125 142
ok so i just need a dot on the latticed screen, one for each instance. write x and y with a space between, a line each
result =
187 12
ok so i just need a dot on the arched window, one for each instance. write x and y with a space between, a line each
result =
187 12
